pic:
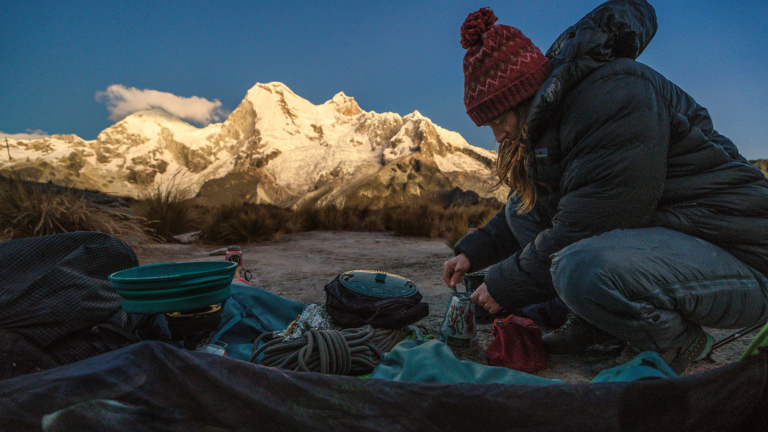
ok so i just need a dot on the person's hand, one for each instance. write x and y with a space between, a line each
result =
454 270
482 298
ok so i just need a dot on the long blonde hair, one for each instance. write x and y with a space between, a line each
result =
515 162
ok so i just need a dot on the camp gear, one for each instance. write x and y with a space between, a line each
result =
164 388
646 365
459 329
737 335
194 326
516 345
53 292
213 347
235 255
313 316
432 361
472 281
575 336
383 300
250 312
173 287
346 352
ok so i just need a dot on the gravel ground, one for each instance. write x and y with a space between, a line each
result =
298 266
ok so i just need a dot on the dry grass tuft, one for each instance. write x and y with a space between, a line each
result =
332 218
247 223
26 211
168 210
457 226
420 220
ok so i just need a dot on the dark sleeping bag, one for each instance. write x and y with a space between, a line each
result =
56 304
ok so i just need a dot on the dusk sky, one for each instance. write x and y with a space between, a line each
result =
59 58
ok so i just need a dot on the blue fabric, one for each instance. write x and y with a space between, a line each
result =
432 361
254 311
646 365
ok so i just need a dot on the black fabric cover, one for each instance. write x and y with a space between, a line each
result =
617 146
153 386
349 309
56 304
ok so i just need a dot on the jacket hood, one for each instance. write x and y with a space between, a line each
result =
615 29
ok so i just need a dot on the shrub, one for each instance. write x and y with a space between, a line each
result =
168 210
247 223
416 221
332 218
26 211
371 222
457 226
479 215
307 218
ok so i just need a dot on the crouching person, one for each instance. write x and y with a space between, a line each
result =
626 203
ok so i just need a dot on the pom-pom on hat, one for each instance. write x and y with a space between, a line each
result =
502 67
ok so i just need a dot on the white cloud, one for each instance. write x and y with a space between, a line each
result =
29 135
122 101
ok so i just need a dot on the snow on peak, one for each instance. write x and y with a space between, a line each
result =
299 147
153 114
345 105
416 115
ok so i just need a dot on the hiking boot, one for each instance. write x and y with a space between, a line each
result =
575 336
678 359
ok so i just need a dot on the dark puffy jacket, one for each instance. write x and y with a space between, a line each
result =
619 146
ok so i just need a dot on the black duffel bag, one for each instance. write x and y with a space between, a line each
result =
383 300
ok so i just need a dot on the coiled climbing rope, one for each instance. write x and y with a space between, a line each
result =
354 351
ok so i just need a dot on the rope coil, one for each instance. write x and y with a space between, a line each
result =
355 351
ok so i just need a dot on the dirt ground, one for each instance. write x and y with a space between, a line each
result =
297 266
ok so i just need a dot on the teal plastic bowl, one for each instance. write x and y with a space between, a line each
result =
174 287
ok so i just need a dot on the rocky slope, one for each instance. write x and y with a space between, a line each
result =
275 147
762 164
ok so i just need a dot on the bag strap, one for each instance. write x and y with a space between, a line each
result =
231 323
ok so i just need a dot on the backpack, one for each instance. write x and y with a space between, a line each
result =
383 300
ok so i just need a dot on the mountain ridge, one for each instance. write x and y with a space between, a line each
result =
275 147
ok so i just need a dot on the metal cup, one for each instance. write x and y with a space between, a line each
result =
473 280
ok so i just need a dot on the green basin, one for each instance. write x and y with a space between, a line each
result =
174 287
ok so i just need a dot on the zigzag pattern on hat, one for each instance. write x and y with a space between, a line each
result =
509 71
502 67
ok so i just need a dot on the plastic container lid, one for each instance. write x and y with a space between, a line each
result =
377 284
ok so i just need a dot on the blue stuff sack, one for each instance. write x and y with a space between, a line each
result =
250 312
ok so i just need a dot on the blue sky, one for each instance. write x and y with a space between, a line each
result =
389 55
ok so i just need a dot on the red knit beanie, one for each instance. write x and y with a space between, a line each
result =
502 67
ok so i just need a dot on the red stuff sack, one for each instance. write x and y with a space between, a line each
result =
516 345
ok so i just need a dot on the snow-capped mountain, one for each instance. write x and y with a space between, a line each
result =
275 147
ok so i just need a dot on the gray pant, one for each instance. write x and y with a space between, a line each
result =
656 287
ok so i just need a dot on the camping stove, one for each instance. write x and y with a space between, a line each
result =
194 326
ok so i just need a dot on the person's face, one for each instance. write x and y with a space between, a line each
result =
505 126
